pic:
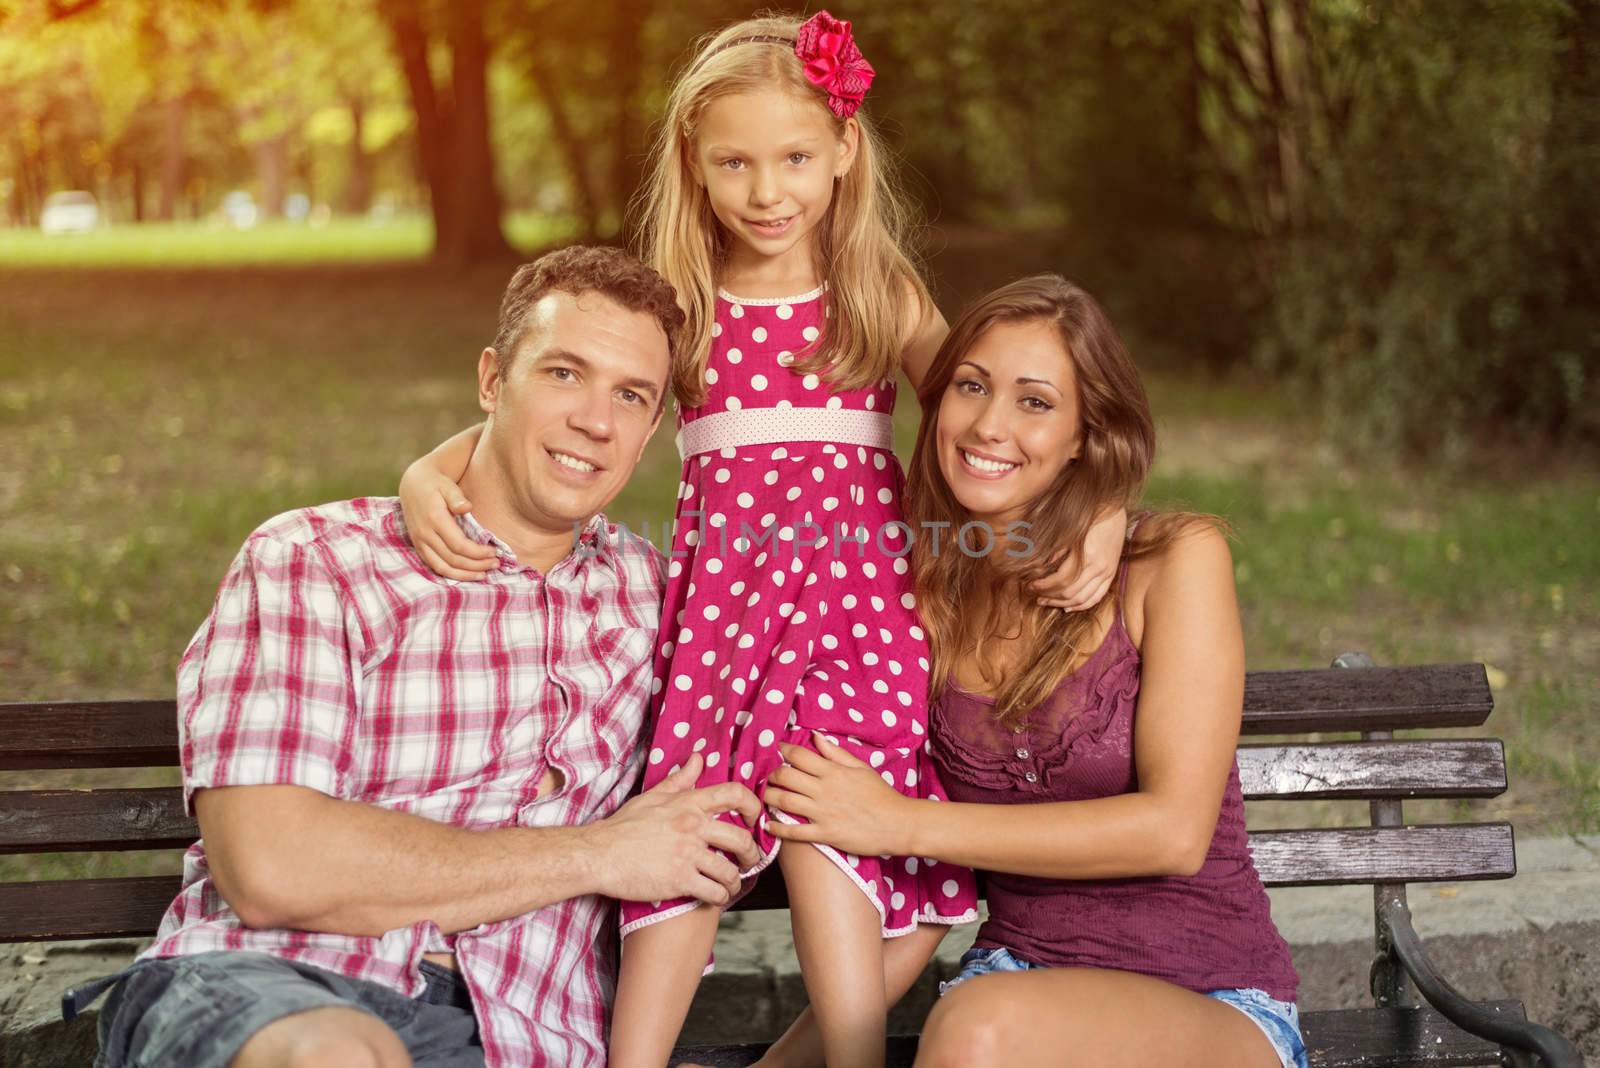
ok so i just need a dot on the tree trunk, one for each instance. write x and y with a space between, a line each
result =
476 199
136 181
172 160
358 188
453 136
272 171
574 150
628 149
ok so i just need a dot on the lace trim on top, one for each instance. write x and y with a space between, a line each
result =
770 302
1101 693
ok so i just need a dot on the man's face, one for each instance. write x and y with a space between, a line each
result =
571 416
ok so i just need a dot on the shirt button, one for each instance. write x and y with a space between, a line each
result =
1022 754
1018 729
1031 777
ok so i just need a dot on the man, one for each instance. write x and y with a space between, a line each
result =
412 791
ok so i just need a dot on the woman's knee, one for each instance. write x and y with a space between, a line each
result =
970 1026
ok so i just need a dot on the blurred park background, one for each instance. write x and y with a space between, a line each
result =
250 249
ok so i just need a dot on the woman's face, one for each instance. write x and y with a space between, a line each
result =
1008 420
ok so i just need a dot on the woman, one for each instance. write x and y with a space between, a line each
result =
1089 756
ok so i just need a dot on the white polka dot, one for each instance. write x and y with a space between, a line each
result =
810 333
737 588
877 603
857 716
879 461
746 641
683 682
828 505
681 729
897 900
880 686
900 565
704 703
793 494
716 329
869 569
734 404
758 382
723 474
747 769
685 636
714 565
765 738
836 403
657 756
713 760
916 632
675 569
699 745
810 381
911 777
830 642
759 334
916 728
908 600
887 777
884 635
738 686
816 474
734 355
770 478
776 697
785 311
736 311
847 688
903 697
885 495
950 888
711 376
870 659
872 402
745 500
875 758
712 611
824 701
911 865
785 358
707 658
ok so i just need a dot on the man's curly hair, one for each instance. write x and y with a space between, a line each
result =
580 269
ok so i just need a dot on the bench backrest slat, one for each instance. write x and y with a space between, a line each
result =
122 734
1365 770
84 908
64 821
80 734
1415 854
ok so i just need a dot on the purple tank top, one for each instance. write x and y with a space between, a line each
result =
1209 931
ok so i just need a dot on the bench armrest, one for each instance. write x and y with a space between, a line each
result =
1552 1049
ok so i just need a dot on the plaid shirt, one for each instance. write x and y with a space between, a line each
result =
335 659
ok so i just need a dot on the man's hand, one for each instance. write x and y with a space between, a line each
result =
663 844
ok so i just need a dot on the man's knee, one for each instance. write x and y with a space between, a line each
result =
324 1038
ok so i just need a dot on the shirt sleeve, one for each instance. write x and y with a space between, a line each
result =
265 689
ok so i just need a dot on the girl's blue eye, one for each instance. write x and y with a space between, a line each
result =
732 164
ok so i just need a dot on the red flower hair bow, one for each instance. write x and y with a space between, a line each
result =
832 62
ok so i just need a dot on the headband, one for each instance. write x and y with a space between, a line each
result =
829 57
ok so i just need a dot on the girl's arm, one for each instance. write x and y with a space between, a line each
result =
430 499
1185 732
1083 578
922 333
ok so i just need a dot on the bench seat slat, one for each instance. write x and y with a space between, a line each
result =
127 734
1460 852
1348 1038
1342 770
64 821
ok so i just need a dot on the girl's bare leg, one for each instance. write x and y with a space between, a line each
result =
838 939
661 968
1071 1017
904 958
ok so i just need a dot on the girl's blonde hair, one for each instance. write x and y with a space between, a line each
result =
874 287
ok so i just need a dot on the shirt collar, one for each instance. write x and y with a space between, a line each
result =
594 542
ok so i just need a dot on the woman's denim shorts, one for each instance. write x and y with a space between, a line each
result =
1278 1020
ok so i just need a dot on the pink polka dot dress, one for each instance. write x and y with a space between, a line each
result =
789 603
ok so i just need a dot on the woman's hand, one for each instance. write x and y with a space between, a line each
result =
1082 579
849 805
430 500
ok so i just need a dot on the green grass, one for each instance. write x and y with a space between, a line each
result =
149 419
341 240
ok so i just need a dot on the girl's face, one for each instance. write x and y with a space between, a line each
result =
768 161
1008 421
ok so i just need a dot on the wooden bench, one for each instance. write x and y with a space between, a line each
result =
1371 702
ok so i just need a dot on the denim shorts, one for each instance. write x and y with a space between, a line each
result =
1278 1020
198 1011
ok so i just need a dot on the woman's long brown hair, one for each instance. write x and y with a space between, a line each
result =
1118 446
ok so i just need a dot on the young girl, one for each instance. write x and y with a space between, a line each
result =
789 608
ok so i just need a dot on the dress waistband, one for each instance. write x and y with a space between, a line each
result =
773 426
